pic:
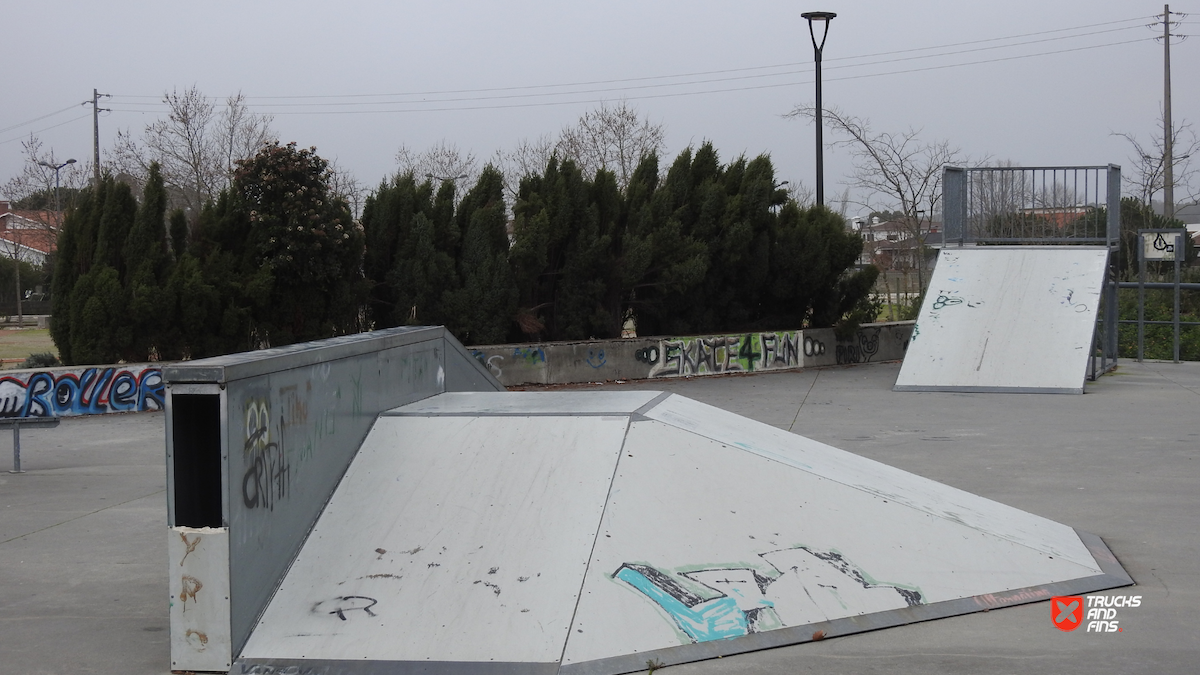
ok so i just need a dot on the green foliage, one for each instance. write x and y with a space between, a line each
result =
76 241
303 247
911 309
277 258
411 249
179 233
562 254
1134 216
482 310
712 247
43 200
99 305
1159 306
41 360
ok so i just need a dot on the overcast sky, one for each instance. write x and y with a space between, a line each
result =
1034 82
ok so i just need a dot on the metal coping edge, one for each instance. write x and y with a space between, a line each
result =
258 666
988 390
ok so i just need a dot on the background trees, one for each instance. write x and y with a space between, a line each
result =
902 167
595 239
1146 176
707 247
275 259
197 146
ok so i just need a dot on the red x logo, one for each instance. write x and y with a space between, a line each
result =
1067 612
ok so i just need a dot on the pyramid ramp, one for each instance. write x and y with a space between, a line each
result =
582 533
1007 319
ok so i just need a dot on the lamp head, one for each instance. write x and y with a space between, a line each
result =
819 16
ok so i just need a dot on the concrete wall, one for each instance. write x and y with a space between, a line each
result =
65 392
650 358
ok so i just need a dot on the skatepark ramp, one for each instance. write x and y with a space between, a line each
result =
1007 319
591 532
256 444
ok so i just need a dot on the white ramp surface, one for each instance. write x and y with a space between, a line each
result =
486 533
1007 319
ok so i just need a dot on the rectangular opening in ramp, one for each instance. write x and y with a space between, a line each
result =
1007 319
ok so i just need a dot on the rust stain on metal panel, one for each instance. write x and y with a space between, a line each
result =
191 586
191 546
197 639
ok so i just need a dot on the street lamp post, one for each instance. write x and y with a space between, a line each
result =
822 18
17 244
57 168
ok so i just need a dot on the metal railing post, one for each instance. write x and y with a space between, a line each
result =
954 205
16 449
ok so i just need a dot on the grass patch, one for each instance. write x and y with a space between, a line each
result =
19 343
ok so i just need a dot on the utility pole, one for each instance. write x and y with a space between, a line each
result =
96 110
1168 151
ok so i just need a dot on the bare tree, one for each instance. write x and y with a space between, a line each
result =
800 193
441 162
1148 176
343 185
613 137
197 146
898 167
528 158
34 224
36 180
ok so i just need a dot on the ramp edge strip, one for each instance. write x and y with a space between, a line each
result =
365 667
988 390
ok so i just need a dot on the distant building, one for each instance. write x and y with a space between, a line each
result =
28 235
891 245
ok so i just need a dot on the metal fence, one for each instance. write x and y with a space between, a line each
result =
1161 247
1057 205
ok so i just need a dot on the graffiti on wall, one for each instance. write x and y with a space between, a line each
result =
268 471
796 586
749 352
89 391
859 349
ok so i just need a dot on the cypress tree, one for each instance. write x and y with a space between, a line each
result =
483 309
151 309
66 274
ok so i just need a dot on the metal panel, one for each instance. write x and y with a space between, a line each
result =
954 205
220 369
449 540
530 403
198 560
1016 319
702 541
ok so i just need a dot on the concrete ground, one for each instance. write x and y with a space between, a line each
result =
83 546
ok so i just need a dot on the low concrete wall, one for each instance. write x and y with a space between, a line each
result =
65 392
139 387
649 358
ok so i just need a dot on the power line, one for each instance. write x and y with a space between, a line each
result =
752 73
682 75
22 137
692 93
274 106
37 119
